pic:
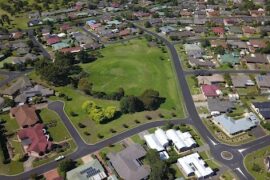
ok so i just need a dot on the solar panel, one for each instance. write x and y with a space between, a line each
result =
90 171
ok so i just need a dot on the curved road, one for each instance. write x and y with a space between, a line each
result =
236 163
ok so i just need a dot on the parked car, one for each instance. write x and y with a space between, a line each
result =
59 158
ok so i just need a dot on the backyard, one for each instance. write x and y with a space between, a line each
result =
254 163
135 67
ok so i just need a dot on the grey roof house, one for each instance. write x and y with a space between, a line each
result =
262 109
195 62
218 105
263 81
167 29
193 50
232 127
127 163
241 81
21 84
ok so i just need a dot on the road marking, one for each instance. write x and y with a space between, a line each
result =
238 169
242 150
213 142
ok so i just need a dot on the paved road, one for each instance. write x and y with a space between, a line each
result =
36 43
217 71
236 163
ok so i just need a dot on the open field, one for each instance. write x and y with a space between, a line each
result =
134 67
257 158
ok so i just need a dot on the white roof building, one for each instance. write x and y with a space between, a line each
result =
180 140
153 142
193 165
162 138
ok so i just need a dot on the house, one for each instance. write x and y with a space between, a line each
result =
216 43
155 21
17 35
114 22
71 50
53 40
229 21
229 58
254 44
262 109
235 30
241 81
218 31
59 46
35 140
34 22
95 26
24 115
20 84
30 92
232 127
248 30
46 31
213 79
185 13
167 29
193 50
180 34
221 106
124 32
263 82
25 58
53 175
193 165
211 90
181 141
127 163
212 12
237 44
257 13
64 27
200 62
256 58
91 170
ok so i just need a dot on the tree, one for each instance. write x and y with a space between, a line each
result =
85 85
85 57
147 24
131 104
66 166
151 99
219 50
110 112
256 167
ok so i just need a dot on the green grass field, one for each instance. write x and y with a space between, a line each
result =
135 67
152 73
258 157
58 132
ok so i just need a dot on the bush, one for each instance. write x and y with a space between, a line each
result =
256 167
148 117
125 126
81 125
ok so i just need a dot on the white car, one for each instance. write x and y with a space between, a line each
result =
59 158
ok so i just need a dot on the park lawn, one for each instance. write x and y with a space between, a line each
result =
257 157
136 67
58 132
192 84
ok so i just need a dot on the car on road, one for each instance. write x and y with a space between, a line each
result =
59 158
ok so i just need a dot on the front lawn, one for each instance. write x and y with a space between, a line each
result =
56 127
193 84
254 163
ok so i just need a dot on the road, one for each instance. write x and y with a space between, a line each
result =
38 44
236 163
216 71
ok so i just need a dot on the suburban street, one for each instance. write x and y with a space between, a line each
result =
238 152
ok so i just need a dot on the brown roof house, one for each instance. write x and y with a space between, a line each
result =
256 58
213 79
24 115
127 163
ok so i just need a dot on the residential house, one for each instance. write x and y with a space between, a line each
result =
180 34
200 62
216 43
262 109
229 58
53 175
17 35
34 22
211 90
256 58
254 44
155 21
218 31
25 58
71 50
235 30
92 170
193 50
232 127
35 140
167 29
263 82
60 45
64 27
125 32
193 165
237 44
20 84
220 106
24 115
257 13
185 13
241 81
127 163
30 92
213 79
53 40
248 30
212 13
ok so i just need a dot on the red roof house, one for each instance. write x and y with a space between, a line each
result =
17 35
34 140
257 13
124 32
24 115
71 50
218 30
248 30
95 26
210 90
65 27
53 40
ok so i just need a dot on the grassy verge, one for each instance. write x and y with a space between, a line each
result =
254 163
193 84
